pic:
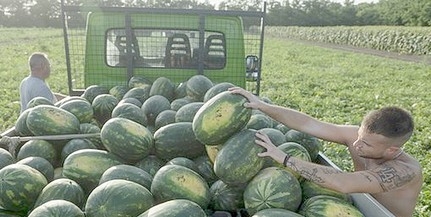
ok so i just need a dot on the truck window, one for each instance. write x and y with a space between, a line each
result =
165 48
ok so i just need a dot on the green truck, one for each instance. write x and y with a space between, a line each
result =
113 44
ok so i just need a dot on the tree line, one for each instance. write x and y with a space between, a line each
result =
47 13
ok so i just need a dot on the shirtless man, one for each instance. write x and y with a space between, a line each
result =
381 166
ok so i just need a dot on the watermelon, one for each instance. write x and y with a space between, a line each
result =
181 90
7 213
129 173
237 161
177 140
126 139
82 109
220 118
153 106
131 112
21 124
40 164
226 197
57 208
93 91
86 166
187 112
38 148
259 121
179 182
118 198
283 128
163 86
185 162
139 81
103 105
293 149
311 189
205 168
212 151
75 145
216 89
276 136
164 118
90 128
197 86
311 143
118 91
150 164
131 100
139 93
276 212
39 100
179 102
328 206
175 208
5 158
19 187
62 189
69 98
272 187
50 120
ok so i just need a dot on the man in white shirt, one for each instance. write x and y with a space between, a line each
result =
34 85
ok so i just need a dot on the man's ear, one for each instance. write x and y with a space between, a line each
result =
392 150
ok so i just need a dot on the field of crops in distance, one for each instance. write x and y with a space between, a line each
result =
332 85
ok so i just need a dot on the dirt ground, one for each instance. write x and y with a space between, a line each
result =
426 59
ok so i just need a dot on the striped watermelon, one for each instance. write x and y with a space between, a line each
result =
175 208
328 206
51 120
129 173
197 86
57 208
86 166
276 212
127 139
118 198
40 164
62 189
179 182
220 118
272 187
237 161
19 187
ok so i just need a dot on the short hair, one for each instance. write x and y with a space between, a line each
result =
37 60
391 122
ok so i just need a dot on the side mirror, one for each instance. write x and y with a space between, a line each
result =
252 67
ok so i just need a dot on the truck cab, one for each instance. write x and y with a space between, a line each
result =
113 44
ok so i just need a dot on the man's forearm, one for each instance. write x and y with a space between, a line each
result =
291 118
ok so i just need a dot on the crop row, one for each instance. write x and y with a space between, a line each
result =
400 39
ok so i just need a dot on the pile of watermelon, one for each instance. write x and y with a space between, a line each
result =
160 149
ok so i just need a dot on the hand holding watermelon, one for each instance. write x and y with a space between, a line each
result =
253 100
271 150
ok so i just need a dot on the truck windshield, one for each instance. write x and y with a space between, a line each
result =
165 48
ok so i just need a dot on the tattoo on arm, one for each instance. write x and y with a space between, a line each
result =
391 178
367 176
312 174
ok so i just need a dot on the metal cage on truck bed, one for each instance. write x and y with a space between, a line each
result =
109 45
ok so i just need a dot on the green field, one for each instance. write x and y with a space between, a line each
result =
332 85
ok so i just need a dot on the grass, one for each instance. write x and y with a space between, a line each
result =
334 86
